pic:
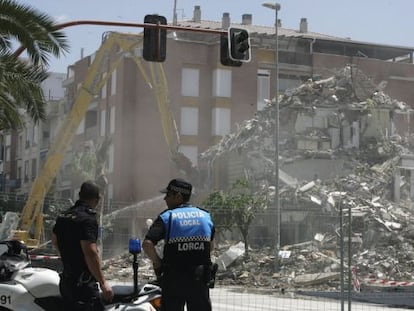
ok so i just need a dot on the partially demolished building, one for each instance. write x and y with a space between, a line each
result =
340 153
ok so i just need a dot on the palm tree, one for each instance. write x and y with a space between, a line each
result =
20 89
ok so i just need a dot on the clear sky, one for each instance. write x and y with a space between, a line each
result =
378 21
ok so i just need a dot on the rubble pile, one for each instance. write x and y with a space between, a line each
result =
382 232
256 135
381 229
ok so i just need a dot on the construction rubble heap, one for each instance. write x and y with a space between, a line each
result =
382 231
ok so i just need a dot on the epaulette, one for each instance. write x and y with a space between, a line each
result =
67 214
90 211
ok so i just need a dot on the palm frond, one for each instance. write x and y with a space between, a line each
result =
35 31
20 91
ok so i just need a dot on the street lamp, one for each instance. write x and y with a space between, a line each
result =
276 7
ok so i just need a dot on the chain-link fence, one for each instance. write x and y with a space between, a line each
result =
329 259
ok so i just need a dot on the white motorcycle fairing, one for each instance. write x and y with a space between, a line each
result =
40 282
26 286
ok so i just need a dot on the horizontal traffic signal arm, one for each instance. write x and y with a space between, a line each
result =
121 24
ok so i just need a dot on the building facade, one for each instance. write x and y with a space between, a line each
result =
24 151
206 100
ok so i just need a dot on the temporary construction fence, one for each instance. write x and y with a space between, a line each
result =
327 259
340 264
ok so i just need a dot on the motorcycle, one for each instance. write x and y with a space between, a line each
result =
37 289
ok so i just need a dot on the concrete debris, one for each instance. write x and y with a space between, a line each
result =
337 95
9 223
331 120
316 278
229 256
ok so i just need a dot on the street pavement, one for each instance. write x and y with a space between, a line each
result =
226 299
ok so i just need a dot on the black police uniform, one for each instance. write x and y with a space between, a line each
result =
78 287
187 231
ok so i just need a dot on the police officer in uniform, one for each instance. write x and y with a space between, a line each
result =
74 235
188 232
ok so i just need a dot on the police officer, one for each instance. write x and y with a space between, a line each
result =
74 235
188 232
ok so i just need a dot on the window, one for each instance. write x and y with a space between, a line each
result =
110 192
91 118
35 134
111 158
189 121
220 121
191 152
104 88
34 169
20 146
81 127
113 83
190 82
103 122
222 83
8 139
29 134
112 120
263 88
8 156
70 73
26 171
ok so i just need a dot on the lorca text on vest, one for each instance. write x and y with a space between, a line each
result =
190 246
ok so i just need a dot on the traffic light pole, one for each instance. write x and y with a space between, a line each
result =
276 7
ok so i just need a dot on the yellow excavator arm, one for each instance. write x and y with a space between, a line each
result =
94 81
31 217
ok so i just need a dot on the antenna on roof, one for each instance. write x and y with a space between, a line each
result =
175 13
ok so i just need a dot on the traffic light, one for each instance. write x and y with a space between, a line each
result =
239 44
155 40
225 54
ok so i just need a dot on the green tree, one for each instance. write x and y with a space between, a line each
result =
20 90
236 207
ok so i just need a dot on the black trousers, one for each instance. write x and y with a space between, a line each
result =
180 288
80 297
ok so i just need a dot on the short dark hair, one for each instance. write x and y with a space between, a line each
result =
89 191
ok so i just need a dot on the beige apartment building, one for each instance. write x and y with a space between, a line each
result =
206 99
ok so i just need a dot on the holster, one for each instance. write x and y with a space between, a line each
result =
81 292
85 279
212 277
206 274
